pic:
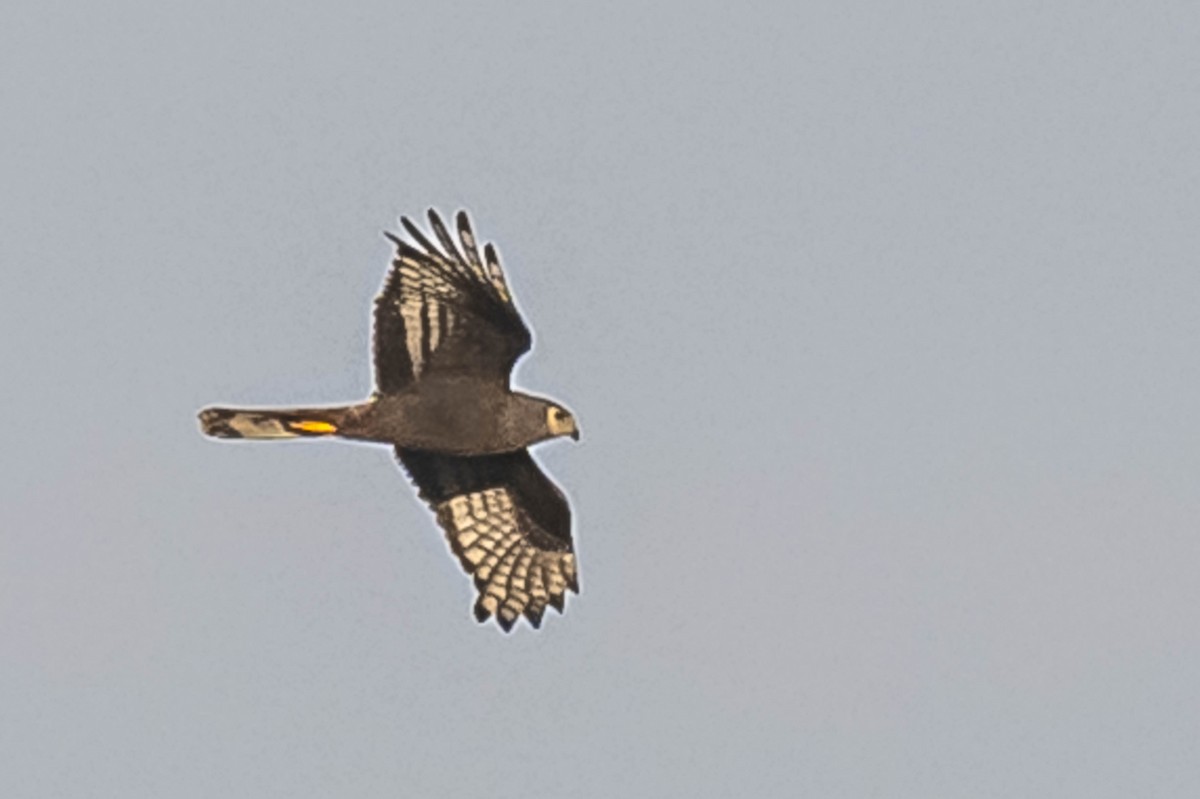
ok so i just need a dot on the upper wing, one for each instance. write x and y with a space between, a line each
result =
445 311
508 524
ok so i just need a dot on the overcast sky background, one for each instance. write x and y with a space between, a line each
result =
880 319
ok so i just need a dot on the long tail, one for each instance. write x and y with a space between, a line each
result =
271 422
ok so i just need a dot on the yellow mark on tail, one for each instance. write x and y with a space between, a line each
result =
308 426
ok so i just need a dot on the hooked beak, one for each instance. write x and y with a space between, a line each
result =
575 434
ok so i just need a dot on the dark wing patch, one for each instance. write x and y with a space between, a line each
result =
507 523
443 311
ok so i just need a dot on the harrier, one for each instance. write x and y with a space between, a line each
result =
447 335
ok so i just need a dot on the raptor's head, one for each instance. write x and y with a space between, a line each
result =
560 422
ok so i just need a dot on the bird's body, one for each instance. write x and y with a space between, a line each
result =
446 337
434 419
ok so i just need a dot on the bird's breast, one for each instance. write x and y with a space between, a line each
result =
460 422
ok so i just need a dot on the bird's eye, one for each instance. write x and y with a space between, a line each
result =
560 414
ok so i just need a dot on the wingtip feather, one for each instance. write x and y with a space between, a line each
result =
439 228
435 220
411 228
481 613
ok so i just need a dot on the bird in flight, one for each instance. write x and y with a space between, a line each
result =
447 335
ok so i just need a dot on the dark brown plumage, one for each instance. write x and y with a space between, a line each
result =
447 335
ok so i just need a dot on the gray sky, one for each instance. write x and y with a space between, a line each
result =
881 324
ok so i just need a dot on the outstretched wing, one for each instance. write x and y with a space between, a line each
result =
445 311
509 525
